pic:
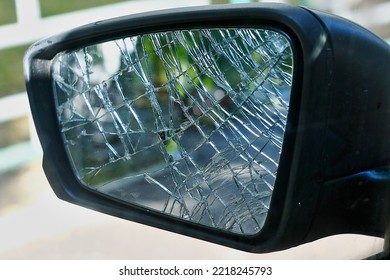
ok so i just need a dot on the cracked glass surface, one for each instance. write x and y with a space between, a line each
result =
187 123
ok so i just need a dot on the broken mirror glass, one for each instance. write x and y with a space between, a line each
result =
186 123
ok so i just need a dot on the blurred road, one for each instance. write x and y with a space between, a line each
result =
34 224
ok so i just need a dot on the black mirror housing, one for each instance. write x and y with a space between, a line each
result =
332 175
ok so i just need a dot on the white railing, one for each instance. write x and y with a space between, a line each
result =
30 27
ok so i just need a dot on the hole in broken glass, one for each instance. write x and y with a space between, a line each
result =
187 123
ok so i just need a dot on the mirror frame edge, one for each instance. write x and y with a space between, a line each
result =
289 19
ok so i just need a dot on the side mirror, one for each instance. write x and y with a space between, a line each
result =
259 127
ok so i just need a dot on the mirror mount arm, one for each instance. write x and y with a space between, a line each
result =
385 254
386 247
359 204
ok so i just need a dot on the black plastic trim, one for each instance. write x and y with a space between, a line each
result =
312 159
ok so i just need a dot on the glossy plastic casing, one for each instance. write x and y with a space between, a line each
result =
337 135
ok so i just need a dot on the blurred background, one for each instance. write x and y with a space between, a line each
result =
34 224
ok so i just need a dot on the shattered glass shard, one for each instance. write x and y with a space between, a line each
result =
187 123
